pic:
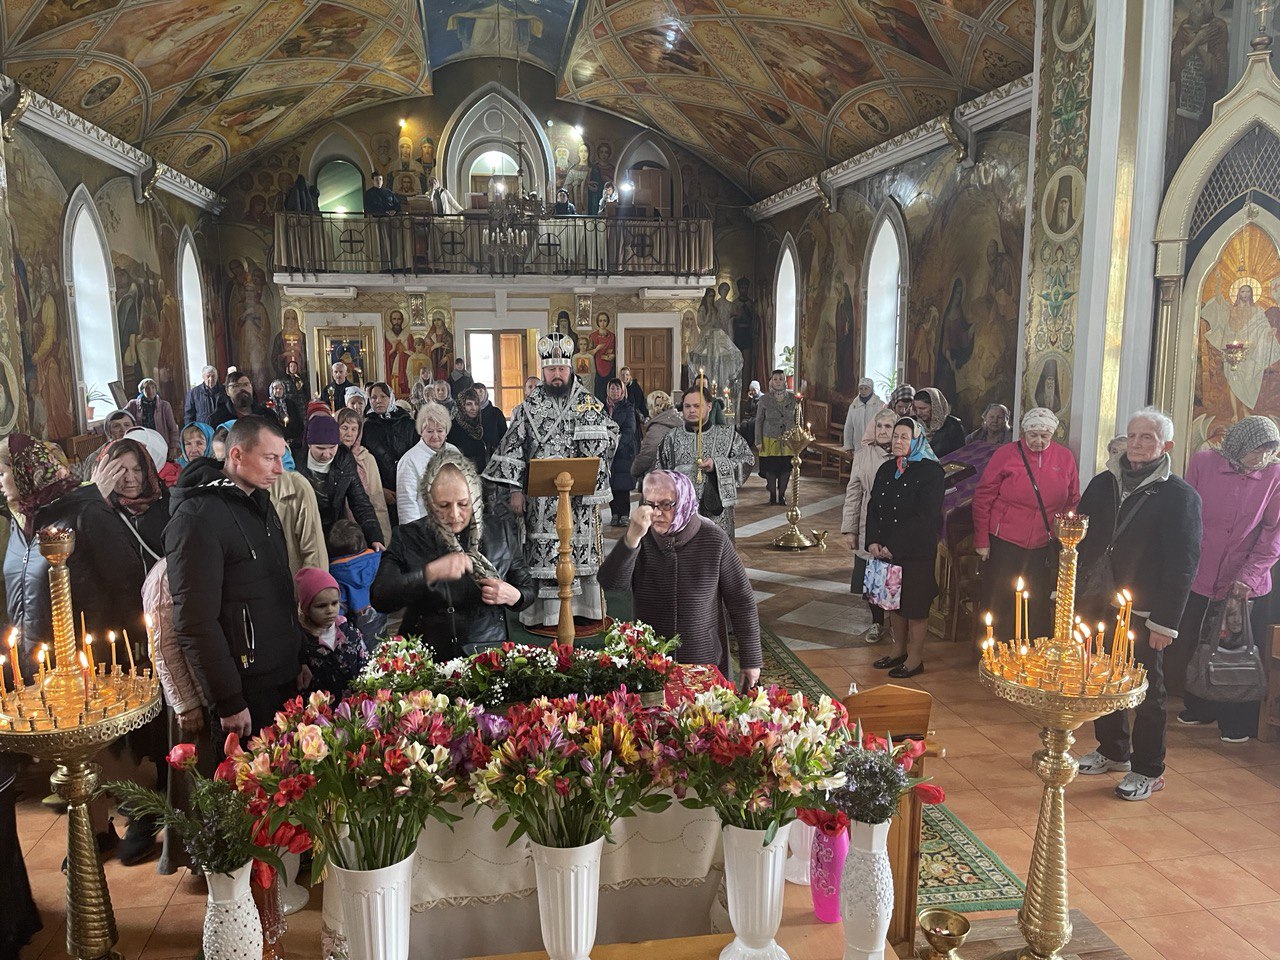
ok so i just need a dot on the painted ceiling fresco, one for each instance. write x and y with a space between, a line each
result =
201 84
536 29
772 91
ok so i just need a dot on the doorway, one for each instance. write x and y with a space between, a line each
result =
497 358
648 354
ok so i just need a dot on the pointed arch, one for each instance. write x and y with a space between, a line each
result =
645 145
91 302
337 142
191 305
886 278
494 118
786 302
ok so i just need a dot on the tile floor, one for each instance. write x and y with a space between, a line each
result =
1192 874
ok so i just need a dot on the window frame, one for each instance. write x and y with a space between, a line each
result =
187 243
788 250
82 204
889 214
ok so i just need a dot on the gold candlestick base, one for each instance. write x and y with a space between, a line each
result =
797 440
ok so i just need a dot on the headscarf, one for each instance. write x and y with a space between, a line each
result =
152 486
1039 418
904 392
41 474
481 568
939 407
307 582
113 416
391 400
204 429
686 499
1245 436
755 385
156 445
317 407
867 382
920 449
472 425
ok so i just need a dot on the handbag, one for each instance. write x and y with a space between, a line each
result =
1226 666
1050 560
882 584
1099 587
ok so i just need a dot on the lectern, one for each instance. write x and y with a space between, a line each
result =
564 477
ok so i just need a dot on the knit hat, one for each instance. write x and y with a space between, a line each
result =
1246 436
322 431
866 382
1040 418
316 407
155 444
309 581
904 392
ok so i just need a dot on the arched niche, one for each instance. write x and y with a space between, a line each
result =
787 298
887 227
490 119
336 142
647 149
1216 191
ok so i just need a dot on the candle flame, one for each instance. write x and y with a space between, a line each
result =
1026 594
111 635
987 619
1019 585
41 653
13 636
1084 629
1128 597
84 661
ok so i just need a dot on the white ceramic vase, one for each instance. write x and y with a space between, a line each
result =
568 898
293 895
753 874
866 892
801 847
232 930
376 910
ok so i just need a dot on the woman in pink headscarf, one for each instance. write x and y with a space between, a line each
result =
684 574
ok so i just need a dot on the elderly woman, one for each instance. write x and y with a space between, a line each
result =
1239 487
332 470
197 441
444 396
288 412
467 432
775 415
624 415
1144 535
902 529
684 576
117 424
663 417
388 434
944 432
357 400
454 570
857 501
350 435
433 426
150 410
1023 487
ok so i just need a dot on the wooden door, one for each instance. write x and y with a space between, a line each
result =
648 354
509 390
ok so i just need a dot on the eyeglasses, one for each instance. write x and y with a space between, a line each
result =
662 506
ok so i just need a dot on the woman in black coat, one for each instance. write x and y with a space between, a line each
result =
453 570
389 434
945 433
620 479
902 528
335 477
468 432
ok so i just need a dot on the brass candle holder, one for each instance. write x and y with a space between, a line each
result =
1064 684
797 440
67 715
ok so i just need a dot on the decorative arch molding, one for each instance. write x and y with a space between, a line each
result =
1253 104
81 201
494 118
647 142
788 247
336 142
890 212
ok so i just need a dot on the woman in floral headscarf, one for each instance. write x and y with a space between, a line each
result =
684 575
902 529
944 432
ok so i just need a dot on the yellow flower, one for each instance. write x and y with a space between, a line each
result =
573 723
594 738
543 777
624 743
519 786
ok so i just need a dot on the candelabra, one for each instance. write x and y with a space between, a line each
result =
67 714
1064 684
797 440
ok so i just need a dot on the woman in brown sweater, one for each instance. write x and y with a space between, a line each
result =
684 575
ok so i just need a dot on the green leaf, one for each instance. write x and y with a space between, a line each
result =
770 832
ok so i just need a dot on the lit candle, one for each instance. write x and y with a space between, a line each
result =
151 637
990 629
1128 607
84 674
13 657
1017 610
111 637
4 686
41 655
128 651
88 651
1026 614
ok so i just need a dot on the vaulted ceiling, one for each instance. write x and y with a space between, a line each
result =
769 91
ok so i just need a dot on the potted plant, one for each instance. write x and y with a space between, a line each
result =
220 832
876 777
756 760
564 772
788 366
94 394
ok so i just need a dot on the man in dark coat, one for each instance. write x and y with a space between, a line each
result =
1147 522
203 399
379 200
335 393
233 600
238 401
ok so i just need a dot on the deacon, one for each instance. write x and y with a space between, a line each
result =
335 394
714 456
557 419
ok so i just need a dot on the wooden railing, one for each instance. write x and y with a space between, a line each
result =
564 246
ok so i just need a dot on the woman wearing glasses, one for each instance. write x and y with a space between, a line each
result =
685 577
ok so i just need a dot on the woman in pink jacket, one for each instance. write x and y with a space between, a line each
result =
1012 526
1239 489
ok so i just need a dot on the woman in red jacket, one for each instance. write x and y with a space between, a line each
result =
1024 485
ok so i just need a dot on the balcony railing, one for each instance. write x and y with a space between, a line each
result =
564 246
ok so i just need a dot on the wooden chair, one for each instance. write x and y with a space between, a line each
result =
902 712
826 452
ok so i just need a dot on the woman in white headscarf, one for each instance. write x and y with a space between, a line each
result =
857 499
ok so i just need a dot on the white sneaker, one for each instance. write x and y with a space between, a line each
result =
1094 763
1135 786
875 634
1225 739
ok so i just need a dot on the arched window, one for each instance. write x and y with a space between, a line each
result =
884 302
193 328
784 298
341 187
91 297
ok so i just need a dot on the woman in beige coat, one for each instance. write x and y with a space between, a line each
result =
857 497
351 433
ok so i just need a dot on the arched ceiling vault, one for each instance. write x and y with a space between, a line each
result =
768 91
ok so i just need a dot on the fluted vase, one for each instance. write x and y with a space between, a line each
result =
568 898
801 845
376 909
754 881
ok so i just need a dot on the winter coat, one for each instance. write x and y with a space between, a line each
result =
475 449
495 425
1156 556
654 434
1004 503
201 402
637 398
624 415
947 438
861 413
906 512
355 576
234 610
1240 514
388 439
340 487
177 678
857 493
449 615
371 480
295 503
165 424
122 562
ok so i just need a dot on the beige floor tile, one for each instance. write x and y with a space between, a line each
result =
1128 940
1135 890
1228 830
1155 837
1214 880
1256 923
1198 935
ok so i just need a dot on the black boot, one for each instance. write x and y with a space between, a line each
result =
782 489
772 486
139 843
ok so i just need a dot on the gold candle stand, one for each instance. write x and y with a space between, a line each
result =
55 719
797 440
1063 688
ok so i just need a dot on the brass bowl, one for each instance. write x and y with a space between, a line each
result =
955 927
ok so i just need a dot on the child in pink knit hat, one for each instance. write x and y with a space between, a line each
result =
332 646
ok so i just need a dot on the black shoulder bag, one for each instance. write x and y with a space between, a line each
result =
1050 560
1099 587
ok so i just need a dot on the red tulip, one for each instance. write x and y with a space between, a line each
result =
182 756
929 793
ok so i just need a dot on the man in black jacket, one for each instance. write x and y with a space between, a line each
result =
238 402
233 599
203 399
1148 522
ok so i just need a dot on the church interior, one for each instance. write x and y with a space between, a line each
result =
1065 210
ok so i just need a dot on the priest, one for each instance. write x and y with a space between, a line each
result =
557 419
715 457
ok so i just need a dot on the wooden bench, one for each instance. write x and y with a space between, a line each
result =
826 448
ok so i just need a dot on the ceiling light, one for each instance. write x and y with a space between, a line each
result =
627 186
578 129
550 123
403 122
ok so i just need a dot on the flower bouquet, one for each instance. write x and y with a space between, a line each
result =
564 772
756 760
